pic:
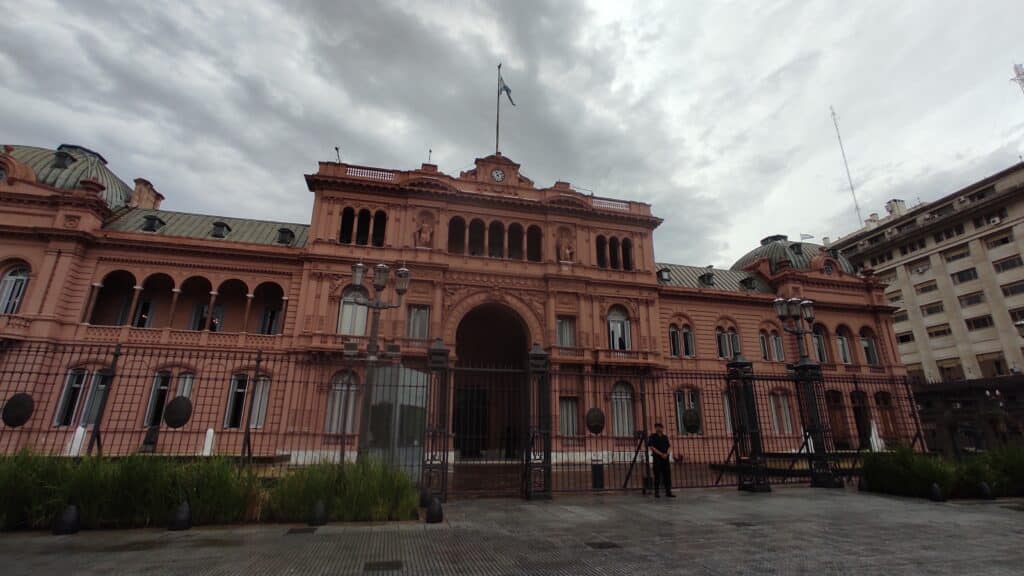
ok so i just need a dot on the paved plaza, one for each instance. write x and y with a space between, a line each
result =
790 531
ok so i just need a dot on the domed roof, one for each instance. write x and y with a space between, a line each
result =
68 165
799 254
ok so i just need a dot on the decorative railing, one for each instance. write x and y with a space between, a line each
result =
370 174
623 356
852 368
102 333
609 204
11 325
567 352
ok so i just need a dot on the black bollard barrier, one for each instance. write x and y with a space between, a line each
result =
318 515
69 521
181 518
435 513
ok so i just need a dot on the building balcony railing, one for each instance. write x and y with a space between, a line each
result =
854 368
567 352
624 356
172 337
14 326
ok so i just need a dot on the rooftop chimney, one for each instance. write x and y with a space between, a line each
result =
144 195
896 207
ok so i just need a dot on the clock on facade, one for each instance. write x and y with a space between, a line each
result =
498 175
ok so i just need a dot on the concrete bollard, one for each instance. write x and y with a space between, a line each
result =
435 513
181 518
935 495
318 515
69 521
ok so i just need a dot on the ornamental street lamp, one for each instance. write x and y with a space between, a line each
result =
381 278
797 318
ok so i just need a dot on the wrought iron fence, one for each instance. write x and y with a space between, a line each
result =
456 430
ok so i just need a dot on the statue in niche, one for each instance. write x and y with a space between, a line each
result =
566 247
423 237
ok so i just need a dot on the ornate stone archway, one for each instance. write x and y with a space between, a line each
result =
463 301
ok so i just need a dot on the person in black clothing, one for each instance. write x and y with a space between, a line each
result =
658 443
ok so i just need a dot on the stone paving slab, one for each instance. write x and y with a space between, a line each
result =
790 531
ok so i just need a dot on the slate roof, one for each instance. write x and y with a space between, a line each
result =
799 254
85 164
185 225
726 280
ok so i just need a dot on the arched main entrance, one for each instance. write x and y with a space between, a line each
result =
489 410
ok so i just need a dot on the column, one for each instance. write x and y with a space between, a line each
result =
175 293
248 307
209 311
94 293
137 291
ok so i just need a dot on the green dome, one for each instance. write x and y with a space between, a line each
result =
799 254
68 165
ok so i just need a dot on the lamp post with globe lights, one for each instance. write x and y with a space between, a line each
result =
797 318
375 304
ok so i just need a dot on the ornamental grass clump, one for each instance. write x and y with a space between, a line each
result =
908 473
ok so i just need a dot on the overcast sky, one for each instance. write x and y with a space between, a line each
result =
716 113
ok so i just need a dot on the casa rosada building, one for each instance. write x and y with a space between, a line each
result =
497 263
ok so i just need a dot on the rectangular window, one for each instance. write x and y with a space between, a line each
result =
236 401
566 328
894 297
919 267
1007 264
727 412
991 219
94 401
905 337
844 350
1017 314
260 395
1013 289
618 334
926 287
972 299
957 253
900 316
568 416
688 399
939 331
932 308
157 399
782 423
185 382
68 405
979 322
143 314
766 354
1001 239
964 276
419 322
949 233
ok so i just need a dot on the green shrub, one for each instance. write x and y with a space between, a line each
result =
907 473
363 491
1007 468
30 489
218 491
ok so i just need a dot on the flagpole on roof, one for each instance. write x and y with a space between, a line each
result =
497 112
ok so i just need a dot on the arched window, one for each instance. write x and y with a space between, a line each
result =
689 349
627 254
777 347
673 341
886 417
157 399
363 227
380 226
533 244
870 347
476 237
613 252
515 241
688 399
837 419
782 416
622 410
352 314
496 240
819 337
456 236
341 404
12 289
843 345
618 329
728 342
348 224
602 252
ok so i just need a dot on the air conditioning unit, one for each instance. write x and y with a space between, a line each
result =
962 199
928 217
995 220
920 270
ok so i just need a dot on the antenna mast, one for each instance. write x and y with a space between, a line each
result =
1018 75
835 121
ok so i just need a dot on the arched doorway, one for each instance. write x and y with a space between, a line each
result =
489 414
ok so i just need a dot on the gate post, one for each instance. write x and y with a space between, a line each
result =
808 383
750 467
434 474
537 480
